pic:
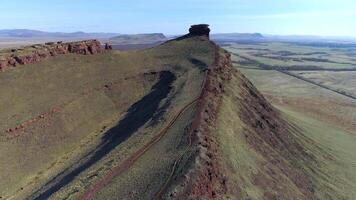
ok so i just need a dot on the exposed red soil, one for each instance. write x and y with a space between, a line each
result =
36 53
34 120
207 180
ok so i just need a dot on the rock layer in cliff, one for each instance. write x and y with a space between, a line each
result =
35 53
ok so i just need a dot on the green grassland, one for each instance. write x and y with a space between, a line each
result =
92 94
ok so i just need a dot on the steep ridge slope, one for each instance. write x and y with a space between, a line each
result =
310 108
203 174
264 130
268 155
265 152
247 149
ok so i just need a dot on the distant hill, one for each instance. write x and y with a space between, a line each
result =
302 40
27 33
149 38
10 38
236 36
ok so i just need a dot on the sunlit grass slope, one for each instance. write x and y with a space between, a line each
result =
56 111
295 157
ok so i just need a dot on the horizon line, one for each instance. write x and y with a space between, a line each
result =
175 34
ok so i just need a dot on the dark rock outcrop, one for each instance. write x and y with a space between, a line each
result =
199 30
108 46
35 53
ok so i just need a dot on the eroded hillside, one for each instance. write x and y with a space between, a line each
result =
84 115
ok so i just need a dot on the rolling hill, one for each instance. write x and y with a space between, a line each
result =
136 41
148 38
27 33
224 37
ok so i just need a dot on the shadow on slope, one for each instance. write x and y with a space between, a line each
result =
137 115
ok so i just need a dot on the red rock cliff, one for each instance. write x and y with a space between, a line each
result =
35 53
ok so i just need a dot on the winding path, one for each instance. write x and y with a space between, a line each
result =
89 194
137 115
133 158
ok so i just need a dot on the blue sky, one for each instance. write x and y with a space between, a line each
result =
283 17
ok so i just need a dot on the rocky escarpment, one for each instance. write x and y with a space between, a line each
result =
209 180
35 53
199 30
206 179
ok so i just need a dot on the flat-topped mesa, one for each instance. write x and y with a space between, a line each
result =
199 30
35 53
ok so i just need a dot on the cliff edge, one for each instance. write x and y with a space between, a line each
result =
35 53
